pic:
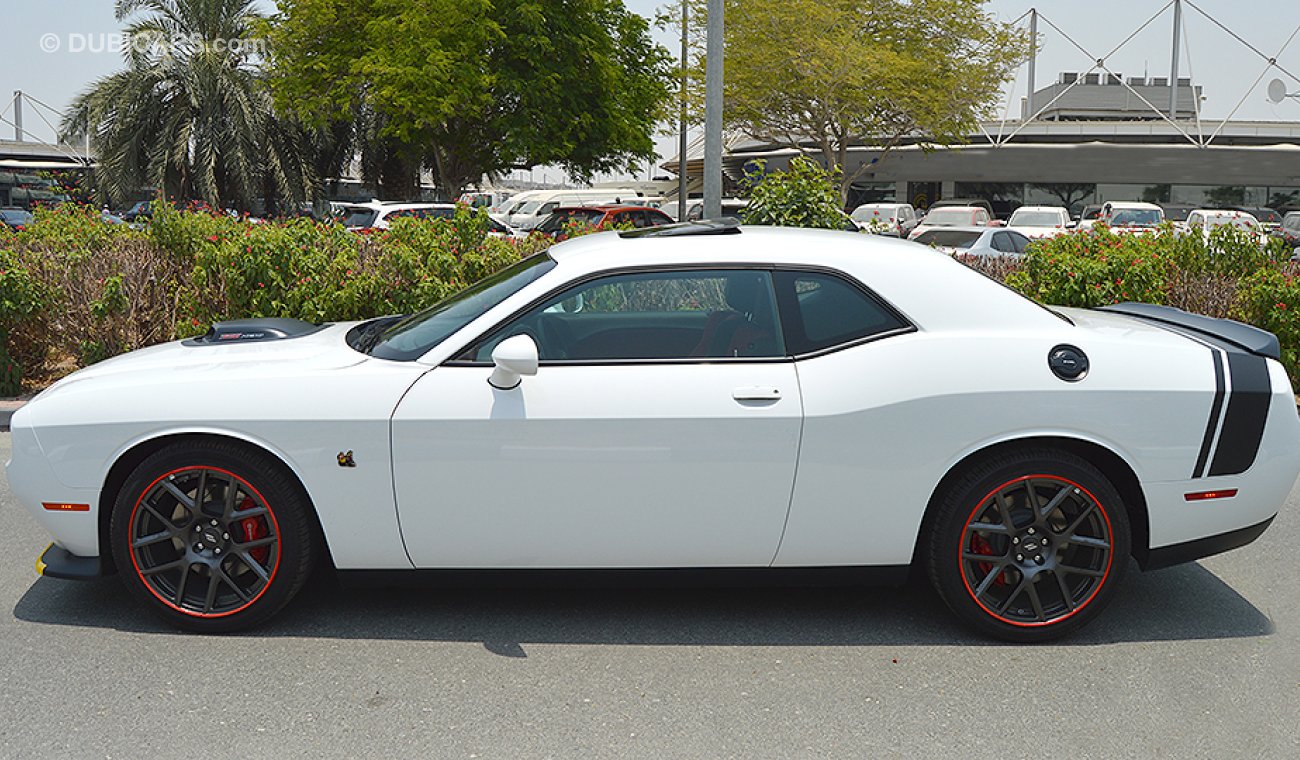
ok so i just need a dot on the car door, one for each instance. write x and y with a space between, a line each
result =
661 430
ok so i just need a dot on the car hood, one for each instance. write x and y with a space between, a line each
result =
325 349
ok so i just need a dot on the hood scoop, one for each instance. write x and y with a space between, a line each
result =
258 330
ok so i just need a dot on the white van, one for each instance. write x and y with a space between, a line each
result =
540 206
512 205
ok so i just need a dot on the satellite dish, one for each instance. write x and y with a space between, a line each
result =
1277 91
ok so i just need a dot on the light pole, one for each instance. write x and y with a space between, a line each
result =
714 49
681 140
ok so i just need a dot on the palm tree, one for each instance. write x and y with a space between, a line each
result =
191 115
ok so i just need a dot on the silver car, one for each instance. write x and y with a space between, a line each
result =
974 241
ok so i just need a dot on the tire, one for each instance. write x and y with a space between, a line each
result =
225 560
1027 575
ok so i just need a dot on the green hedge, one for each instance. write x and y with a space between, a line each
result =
74 290
1231 274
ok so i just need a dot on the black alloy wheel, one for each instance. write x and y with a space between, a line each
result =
1030 545
213 536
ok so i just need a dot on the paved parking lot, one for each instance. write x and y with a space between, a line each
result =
1195 661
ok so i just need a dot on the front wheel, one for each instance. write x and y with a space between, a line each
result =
212 536
1030 545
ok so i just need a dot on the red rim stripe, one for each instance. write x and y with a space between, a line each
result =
245 484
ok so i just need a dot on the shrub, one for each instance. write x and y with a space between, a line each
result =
75 290
1093 268
1270 299
804 195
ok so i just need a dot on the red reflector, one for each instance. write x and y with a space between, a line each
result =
66 507
1203 495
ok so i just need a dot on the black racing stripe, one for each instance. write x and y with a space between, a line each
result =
1213 424
1243 425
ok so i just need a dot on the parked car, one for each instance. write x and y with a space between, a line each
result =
1131 216
531 214
138 211
1177 212
1203 221
1041 221
889 219
1088 217
1268 219
1290 229
952 216
964 203
494 201
15 218
1016 455
974 242
378 215
732 208
601 217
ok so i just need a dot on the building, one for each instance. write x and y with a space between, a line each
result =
1068 162
24 170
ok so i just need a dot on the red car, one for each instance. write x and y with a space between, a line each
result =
601 217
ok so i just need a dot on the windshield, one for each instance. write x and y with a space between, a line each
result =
949 238
413 336
529 208
950 217
1135 217
870 213
358 216
1244 221
556 221
1036 219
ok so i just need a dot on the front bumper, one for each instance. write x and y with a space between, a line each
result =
57 562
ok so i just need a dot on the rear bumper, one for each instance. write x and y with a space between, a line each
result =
1177 554
57 562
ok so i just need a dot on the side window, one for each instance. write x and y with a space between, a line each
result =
1020 242
823 311
1002 242
652 315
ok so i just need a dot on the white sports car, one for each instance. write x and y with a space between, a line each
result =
697 396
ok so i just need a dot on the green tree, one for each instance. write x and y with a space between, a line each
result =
804 195
467 88
191 114
824 75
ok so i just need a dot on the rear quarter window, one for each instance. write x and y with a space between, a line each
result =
822 311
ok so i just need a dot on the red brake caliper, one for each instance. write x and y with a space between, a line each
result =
980 545
253 529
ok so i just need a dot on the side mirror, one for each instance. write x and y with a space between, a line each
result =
514 357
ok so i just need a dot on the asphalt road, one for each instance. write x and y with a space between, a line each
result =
1198 661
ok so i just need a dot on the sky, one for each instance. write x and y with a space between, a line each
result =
53 49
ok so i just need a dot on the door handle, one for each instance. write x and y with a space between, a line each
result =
757 393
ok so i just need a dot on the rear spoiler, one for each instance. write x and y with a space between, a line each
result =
1252 339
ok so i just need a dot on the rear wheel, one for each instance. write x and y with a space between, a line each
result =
1030 545
212 536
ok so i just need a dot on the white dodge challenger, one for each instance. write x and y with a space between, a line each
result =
703 396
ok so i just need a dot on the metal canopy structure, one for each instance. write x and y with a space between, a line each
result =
1092 126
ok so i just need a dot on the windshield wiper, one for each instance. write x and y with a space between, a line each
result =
371 332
